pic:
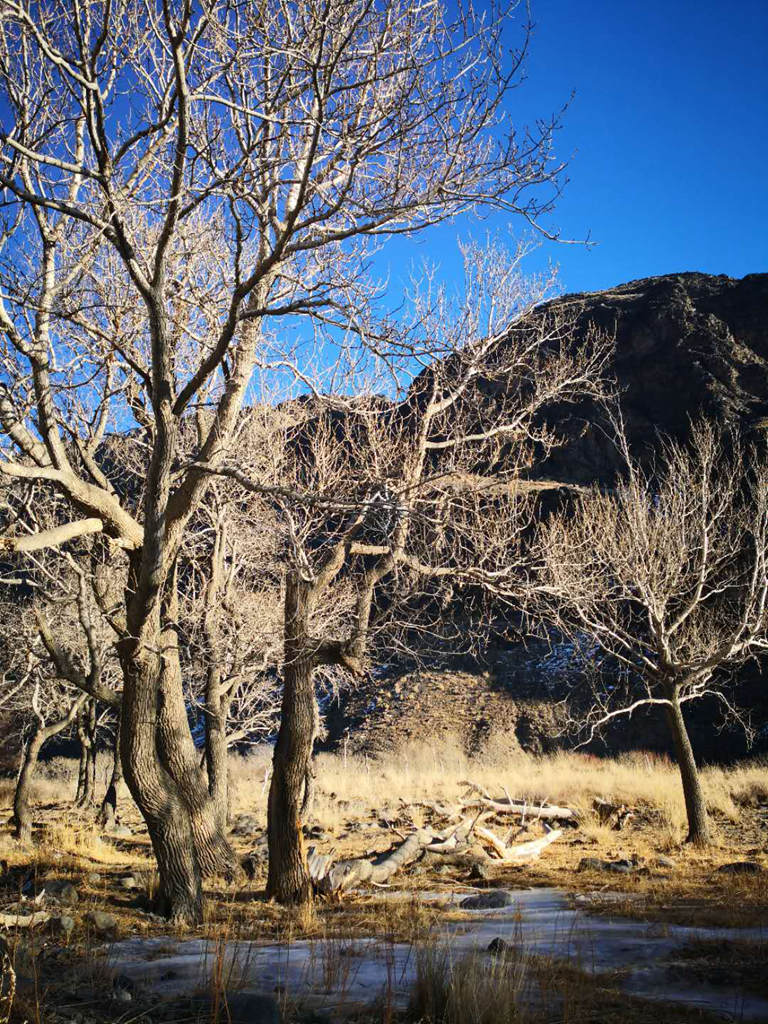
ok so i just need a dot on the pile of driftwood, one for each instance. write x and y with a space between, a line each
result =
466 844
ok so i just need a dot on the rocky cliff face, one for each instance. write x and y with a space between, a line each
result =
685 345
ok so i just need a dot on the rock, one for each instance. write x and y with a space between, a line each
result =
493 900
103 922
740 867
590 864
480 873
499 947
65 923
246 825
662 861
66 893
121 832
129 882
93 878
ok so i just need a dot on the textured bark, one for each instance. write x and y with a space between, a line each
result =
179 756
22 814
216 759
108 810
288 880
152 787
86 778
695 805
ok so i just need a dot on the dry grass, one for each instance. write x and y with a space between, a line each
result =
435 772
471 989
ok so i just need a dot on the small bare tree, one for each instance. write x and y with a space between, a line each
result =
661 584
387 509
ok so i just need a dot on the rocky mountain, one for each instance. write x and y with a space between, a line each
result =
685 345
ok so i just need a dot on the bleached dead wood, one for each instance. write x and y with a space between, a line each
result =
545 812
521 851
455 846
348 873
24 920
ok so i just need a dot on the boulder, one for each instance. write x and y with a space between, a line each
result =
493 900
741 867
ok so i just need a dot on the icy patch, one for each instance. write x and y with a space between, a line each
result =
341 975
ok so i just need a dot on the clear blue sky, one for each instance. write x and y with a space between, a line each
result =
666 137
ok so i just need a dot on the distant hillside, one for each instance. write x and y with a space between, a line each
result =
685 345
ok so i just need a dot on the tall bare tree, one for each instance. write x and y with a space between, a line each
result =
176 175
661 584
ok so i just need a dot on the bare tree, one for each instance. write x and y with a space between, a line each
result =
661 584
388 509
148 240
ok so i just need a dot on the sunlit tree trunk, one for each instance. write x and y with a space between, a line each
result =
288 881
695 804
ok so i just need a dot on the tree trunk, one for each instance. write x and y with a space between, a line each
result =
22 814
155 791
108 810
178 754
695 806
216 757
288 880
86 731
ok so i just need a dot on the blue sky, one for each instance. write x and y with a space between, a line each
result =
666 137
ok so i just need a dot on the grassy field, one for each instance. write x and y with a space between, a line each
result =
364 806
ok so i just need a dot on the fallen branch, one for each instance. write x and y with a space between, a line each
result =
349 873
24 920
545 812
522 851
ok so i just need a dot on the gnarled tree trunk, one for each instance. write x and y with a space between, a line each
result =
155 791
695 805
288 880
86 778
22 815
178 754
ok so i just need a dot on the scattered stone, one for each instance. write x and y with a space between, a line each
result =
493 900
123 989
66 893
65 923
480 873
665 862
499 947
93 878
246 825
740 867
129 882
103 922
